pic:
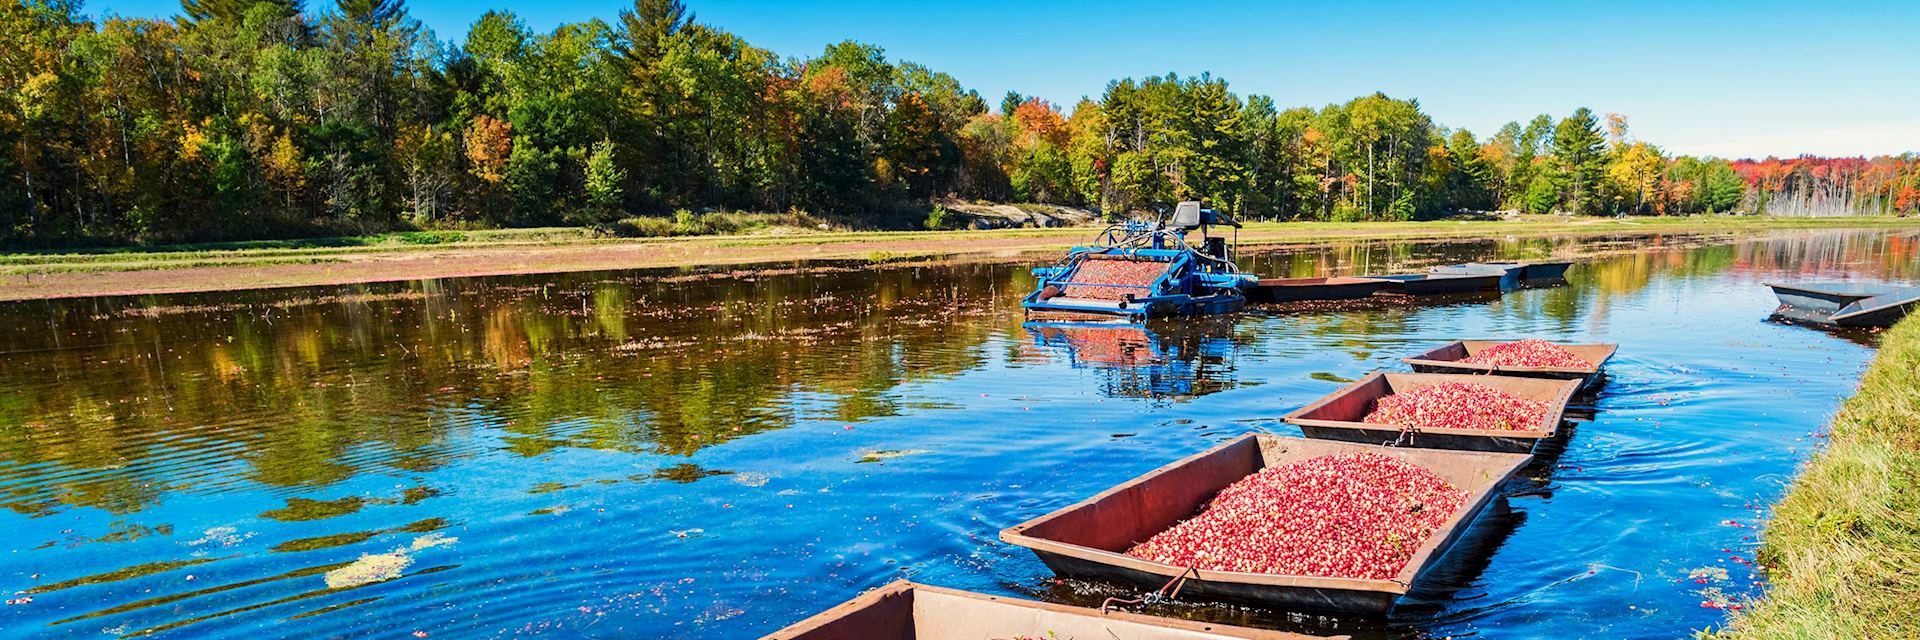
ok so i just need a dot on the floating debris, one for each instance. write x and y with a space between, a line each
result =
888 454
432 540
378 567
222 537
369 569
1704 575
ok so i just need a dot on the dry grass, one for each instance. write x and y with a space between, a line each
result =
1843 548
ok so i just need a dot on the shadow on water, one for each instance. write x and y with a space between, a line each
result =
1376 302
1866 337
717 452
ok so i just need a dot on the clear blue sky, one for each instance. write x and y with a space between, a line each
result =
1724 78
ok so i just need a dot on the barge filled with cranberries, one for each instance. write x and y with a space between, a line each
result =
1521 358
1440 411
908 611
1277 521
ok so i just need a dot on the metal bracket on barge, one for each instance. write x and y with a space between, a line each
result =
1141 270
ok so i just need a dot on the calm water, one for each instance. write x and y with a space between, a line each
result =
699 455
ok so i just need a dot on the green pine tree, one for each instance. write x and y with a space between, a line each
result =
1579 152
605 184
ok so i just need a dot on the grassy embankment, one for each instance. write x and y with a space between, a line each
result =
1843 547
417 255
297 251
318 250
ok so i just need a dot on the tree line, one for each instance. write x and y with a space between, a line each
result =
243 119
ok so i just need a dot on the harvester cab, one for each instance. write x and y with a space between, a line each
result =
1188 216
1141 269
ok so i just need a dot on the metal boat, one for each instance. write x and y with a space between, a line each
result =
1512 274
1431 284
1278 290
1846 304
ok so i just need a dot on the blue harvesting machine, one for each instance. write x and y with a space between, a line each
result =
1141 270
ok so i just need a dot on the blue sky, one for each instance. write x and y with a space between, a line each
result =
1732 79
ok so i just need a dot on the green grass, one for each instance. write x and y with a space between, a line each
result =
158 265
1843 547
714 223
311 250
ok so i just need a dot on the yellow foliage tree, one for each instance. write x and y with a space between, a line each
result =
489 144
1636 171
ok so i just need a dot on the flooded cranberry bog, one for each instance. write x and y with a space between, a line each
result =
720 454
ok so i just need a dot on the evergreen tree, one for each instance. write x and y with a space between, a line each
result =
1579 152
605 184
234 10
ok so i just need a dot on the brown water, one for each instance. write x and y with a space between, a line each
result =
690 454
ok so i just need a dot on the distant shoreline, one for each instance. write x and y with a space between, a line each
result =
189 269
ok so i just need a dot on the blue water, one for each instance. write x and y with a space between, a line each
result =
618 455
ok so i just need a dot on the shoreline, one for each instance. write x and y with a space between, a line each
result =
170 270
1841 547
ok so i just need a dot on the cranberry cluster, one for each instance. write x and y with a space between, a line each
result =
1109 272
1528 353
1353 515
1458 405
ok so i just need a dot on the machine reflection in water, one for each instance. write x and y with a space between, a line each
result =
1158 360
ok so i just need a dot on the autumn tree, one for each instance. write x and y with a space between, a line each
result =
918 150
1635 172
986 150
1090 146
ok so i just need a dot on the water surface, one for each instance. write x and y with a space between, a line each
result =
714 455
